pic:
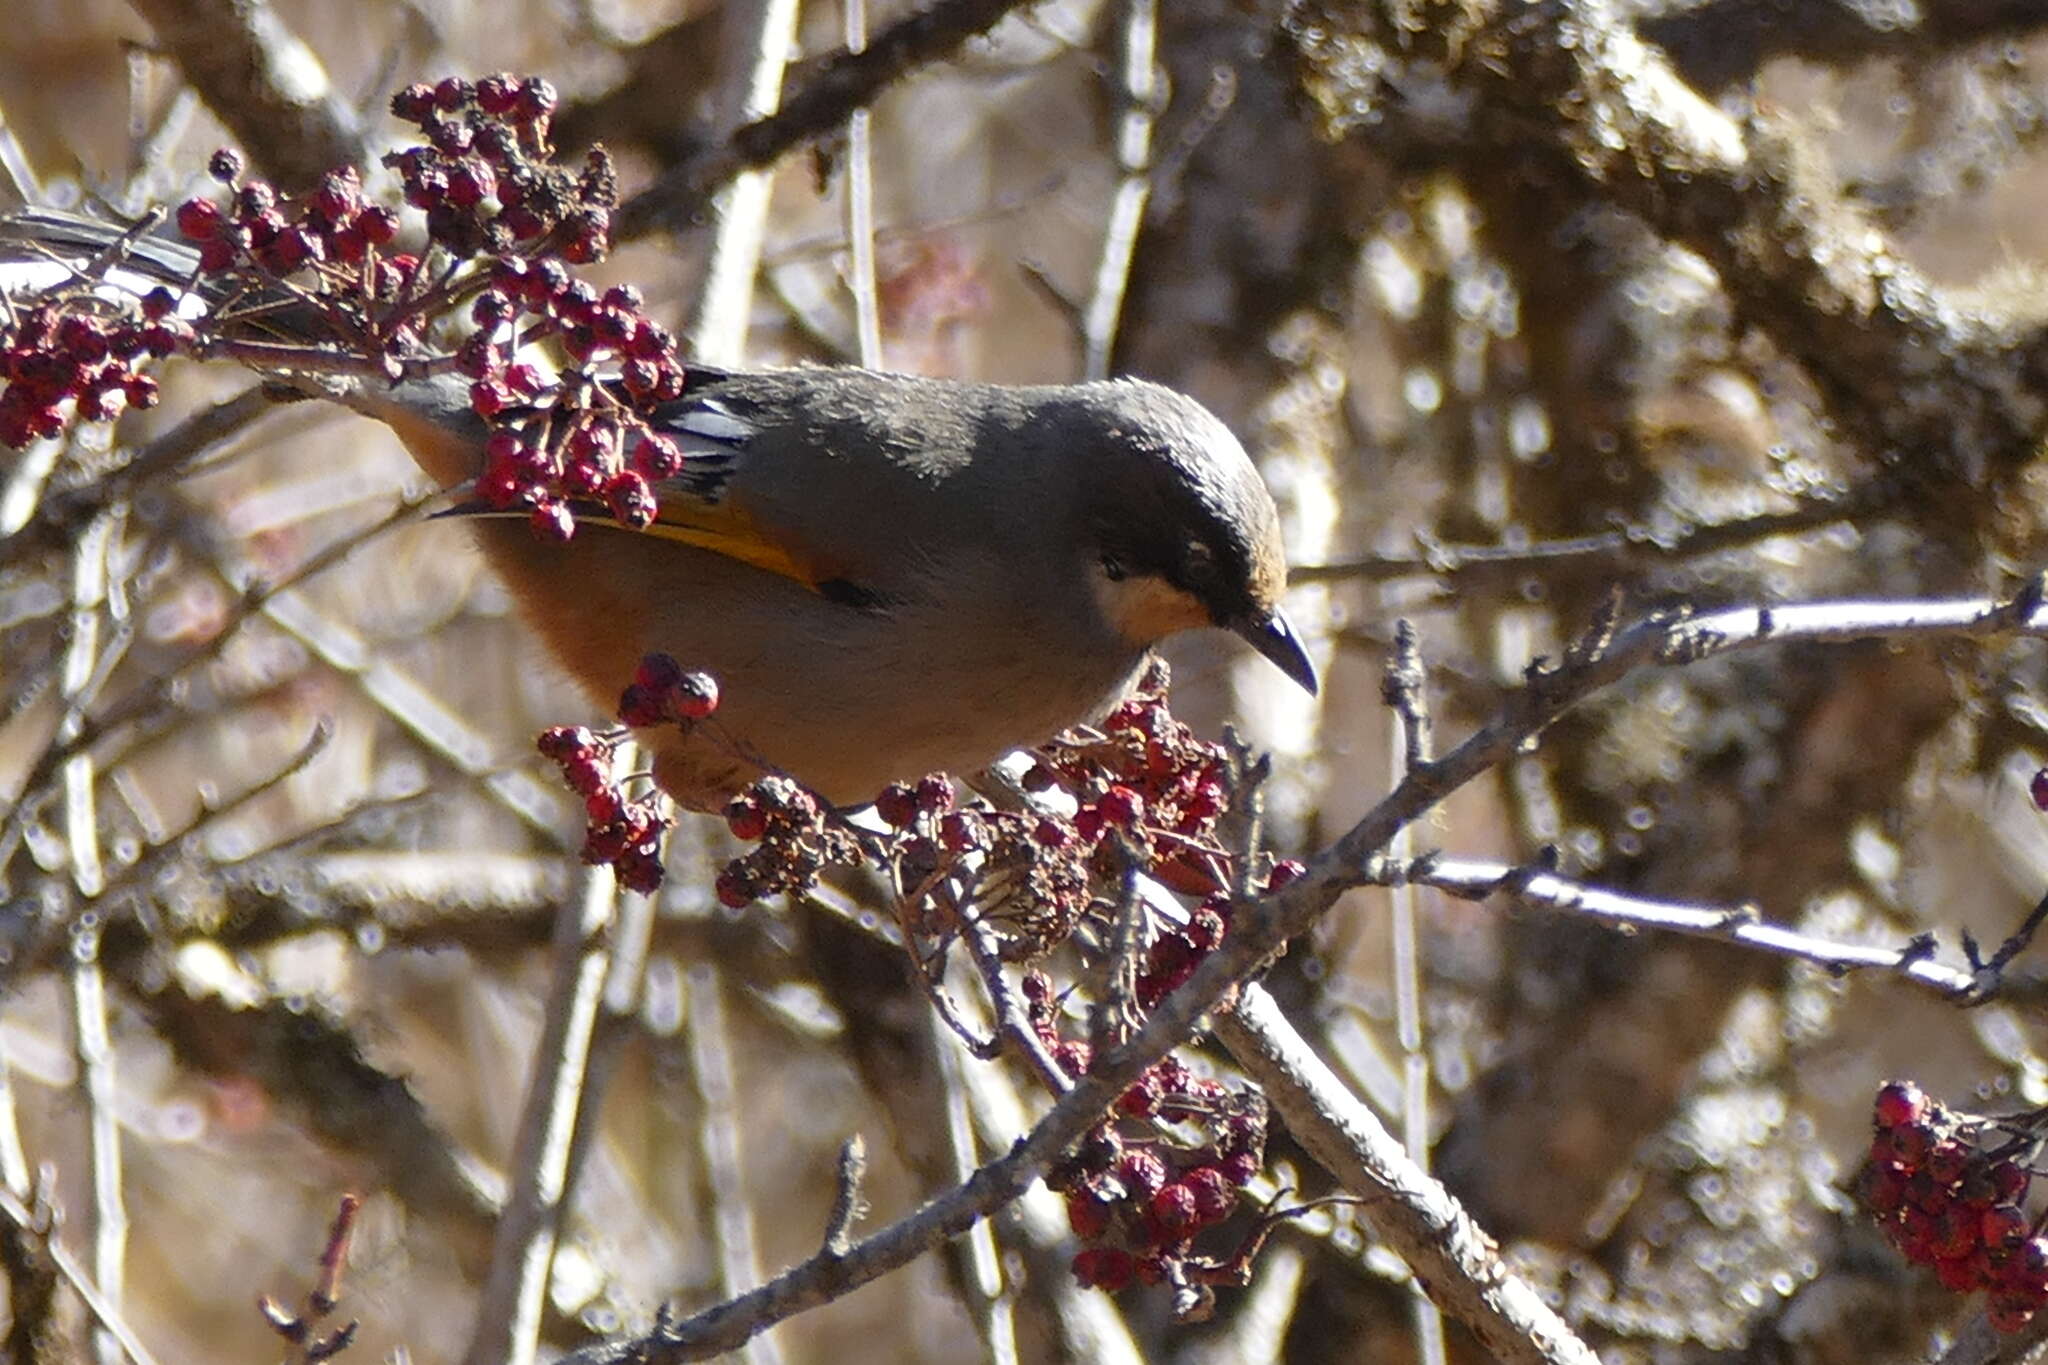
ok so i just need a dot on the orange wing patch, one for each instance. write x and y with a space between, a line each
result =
731 531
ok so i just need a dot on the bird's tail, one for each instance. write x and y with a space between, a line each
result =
44 249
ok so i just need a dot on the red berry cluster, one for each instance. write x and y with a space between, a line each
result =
1139 1198
1150 777
577 435
333 232
1947 1202
661 693
1179 948
799 837
623 832
511 223
78 353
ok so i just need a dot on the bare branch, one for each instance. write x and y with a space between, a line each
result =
1742 925
845 82
509 1308
263 82
1727 40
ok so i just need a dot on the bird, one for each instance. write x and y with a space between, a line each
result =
886 575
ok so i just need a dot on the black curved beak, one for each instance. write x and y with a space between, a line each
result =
1274 638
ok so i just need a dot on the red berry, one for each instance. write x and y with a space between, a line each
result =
1087 1216
413 103
199 220
378 225
658 672
640 871
746 819
1883 1186
1284 871
934 793
657 457
1215 1195
2038 789
495 95
896 806
1122 807
1956 1276
586 774
960 831
1104 1268
1909 1142
630 500
551 519
1176 1211
735 890
562 742
695 695
536 99
1899 1102
642 707
524 377
1142 1172
2003 1226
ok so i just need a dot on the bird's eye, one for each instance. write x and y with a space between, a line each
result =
1113 568
1198 562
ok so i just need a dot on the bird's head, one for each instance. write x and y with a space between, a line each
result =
1182 531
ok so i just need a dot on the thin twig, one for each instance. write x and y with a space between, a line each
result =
1405 691
508 1321
1742 925
1607 552
849 1204
1138 98
16 1212
106 1223
860 207
722 1152
987 1303
758 40
844 82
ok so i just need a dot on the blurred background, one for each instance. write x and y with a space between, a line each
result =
1488 389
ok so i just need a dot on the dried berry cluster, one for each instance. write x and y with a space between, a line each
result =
1947 1201
78 353
1145 1183
1142 781
624 832
799 837
485 177
510 223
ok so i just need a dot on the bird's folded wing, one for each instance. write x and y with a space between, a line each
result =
701 506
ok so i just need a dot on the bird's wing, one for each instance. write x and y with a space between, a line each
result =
706 504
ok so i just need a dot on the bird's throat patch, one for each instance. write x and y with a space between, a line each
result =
1146 609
